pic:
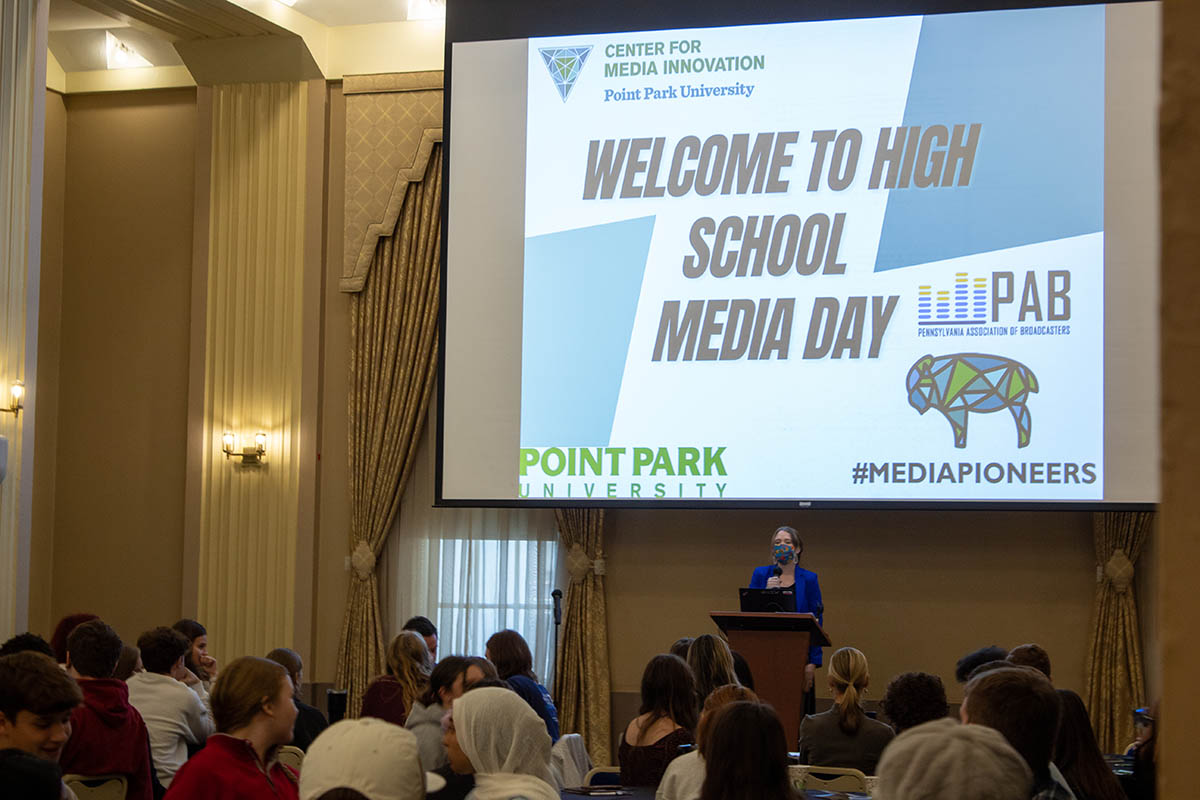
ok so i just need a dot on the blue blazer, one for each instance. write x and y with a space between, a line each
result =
808 598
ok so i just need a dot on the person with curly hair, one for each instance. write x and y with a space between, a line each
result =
912 698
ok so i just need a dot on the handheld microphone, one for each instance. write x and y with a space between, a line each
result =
557 595
776 571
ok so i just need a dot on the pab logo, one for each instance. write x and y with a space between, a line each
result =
963 382
565 64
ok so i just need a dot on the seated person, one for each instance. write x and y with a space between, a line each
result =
198 660
712 665
493 734
425 716
428 631
1078 757
26 642
666 720
58 641
967 664
912 698
108 736
390 696
253 711
844 736
36 701
509 651
685 775
745 755
174 714
129 663
310 721
1030 655
376 759
943 760
1021 703
29 777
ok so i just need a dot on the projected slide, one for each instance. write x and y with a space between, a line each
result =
857 259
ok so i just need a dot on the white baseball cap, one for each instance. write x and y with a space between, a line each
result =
375 758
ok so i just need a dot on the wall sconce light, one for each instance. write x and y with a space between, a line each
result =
250 454
16 398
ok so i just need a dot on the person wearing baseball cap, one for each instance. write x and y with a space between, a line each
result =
944 760
368 756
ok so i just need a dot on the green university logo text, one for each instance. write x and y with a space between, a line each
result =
565 64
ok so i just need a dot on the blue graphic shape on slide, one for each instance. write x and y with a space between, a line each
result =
1034 80
581 295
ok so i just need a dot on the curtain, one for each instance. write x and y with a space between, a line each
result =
393 357
473 571
582 684
1115 682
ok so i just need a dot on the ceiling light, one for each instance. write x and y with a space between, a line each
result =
121 55
426 9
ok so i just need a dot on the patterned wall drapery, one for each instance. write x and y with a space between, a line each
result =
1115 680
582 681
393 357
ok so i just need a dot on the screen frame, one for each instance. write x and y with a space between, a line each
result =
487 20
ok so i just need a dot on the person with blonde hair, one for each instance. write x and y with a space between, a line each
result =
711 663
254 713
844 736
685 775
391 696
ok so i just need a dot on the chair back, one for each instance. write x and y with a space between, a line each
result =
290 756
806 778
603 776
570 757
97 787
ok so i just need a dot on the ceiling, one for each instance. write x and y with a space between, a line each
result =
77 32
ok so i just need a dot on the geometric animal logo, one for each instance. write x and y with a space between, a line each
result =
961 383
565 64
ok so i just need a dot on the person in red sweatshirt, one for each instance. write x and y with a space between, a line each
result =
108 736
254 713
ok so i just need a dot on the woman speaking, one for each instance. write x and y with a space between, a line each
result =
785 572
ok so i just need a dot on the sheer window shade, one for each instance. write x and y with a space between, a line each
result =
473 571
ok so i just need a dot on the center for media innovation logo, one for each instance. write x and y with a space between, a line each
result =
564 64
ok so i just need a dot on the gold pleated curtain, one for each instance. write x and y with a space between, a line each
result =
581 680
1115 680
393 357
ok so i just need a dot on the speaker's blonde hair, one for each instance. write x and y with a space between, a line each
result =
849 675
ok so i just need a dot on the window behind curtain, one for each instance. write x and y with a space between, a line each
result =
472 571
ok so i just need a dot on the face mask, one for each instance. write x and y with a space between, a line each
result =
783 553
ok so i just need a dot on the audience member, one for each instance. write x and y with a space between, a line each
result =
368 759
129 663
174 714
1030 655
28 777
741 668
494 735
943 760
1078 757
509 651
666 720
988 666
108 736
745 755
1142 786
685 775
58 641
962 670
912 698
198 660
844 736
253 710
36 701
391 695
425 717
26 643
478 669
309 720
680 648
1022 704
428 631
711 663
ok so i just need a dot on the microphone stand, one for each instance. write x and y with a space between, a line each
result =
556 595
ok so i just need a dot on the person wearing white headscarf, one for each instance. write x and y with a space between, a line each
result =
494 734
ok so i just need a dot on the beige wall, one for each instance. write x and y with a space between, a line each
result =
122 370
912 590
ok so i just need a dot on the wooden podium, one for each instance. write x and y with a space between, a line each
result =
775 645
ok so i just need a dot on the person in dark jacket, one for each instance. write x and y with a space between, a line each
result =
309 720
509 651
